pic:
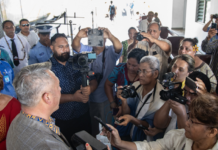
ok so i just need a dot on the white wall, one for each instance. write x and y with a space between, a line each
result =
178 13
194 29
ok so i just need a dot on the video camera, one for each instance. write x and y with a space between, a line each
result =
140 37
83 61
172 93
215 16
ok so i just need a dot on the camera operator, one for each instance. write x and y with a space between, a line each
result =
140 110
155 45
200 133
102 66
73 113
207 28
123 74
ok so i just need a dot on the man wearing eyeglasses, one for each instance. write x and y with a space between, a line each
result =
173 115
30 36
41 52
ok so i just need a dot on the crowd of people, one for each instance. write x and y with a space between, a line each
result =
43 103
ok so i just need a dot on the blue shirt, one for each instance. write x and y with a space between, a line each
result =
213 38
39 53
4 56
70 82
8 76
99 96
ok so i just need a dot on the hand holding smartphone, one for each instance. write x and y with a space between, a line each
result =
103 124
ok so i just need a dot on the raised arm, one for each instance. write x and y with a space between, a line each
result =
208 24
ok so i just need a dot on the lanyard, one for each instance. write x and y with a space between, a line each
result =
103 61
146 100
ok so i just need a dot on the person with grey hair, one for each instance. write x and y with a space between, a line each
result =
140 110
39 93
155 45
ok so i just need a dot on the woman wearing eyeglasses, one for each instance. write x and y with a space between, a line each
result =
200 133
189 46
140 109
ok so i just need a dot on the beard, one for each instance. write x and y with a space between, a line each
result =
63 57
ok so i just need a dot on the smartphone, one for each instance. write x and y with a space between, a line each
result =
96 37
191 84
213 26
142 127
103 124
118 121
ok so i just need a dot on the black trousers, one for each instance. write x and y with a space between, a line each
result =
69 127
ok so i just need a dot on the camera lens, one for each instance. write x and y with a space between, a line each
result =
82 60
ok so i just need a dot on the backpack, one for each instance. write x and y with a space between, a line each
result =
112 10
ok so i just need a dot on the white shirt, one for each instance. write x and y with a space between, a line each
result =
173 140
20 50
144 108
143 25
32 38
161 55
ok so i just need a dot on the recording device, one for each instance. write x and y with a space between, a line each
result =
215 16
81 138
140 37
83 60
172 92
213 26
117 121
128 91
191 84
96 37
103 124
142 127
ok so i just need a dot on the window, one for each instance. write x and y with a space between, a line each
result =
202 7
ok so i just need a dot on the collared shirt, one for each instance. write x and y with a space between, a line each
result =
156 51
39 53
70 82
143 25
5 57
32 38
8 76
174 139
99 96
22 50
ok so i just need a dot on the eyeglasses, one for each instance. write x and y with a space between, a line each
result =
144 71
23 25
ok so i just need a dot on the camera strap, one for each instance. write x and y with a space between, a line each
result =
146 100
103 61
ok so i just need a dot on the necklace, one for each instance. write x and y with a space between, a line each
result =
21 49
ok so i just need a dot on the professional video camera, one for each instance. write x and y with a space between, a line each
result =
83 61
215 16
172 93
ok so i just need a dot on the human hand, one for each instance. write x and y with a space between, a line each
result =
126 118
152 131
86 90
88 147
201 87
119 91
83 32
79 97
178 109
211 33
113 136
107 33
148 37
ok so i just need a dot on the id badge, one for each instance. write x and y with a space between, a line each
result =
6 79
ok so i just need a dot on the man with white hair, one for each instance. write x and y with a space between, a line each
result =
140 110
155 45
39 93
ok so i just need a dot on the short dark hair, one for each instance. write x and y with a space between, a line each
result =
57 35
188 59
156 24
131 29
203 77
111 2
137 53
23 20
193 41
156 13
4 22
